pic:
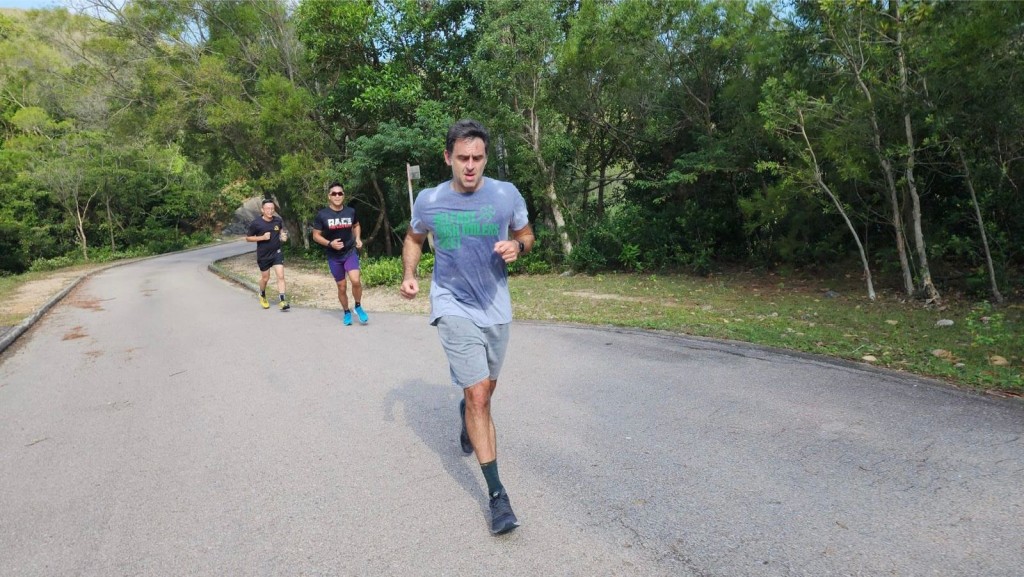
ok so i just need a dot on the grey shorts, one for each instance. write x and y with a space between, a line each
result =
474 353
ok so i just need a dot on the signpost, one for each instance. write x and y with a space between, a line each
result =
411 173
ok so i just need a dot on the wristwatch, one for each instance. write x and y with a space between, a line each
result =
522 247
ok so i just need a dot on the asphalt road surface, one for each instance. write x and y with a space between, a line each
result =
158 422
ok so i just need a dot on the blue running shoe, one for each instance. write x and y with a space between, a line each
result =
503 519
362 316
467 447
348 318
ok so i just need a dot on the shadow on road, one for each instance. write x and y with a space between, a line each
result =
431 411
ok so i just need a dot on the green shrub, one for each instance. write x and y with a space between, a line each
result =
530 263
630 257
387 270
381 271
585 257
46 264
107 255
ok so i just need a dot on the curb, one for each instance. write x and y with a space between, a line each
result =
227 275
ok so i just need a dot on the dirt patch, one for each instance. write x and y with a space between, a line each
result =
614 297
75 333
309 287
34 294
603 296
92 304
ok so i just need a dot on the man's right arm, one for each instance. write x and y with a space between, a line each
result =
412 250
318 237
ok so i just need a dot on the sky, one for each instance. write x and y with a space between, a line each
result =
26 4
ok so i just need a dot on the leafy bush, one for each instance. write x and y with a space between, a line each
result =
46 264
107 255
426 266
387 271
630 257
382 271
530 263
585 257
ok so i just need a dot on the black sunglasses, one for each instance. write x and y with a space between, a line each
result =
337 194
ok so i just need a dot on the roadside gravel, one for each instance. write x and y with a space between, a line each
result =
309 287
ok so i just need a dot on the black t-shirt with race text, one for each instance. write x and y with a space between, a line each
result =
337 224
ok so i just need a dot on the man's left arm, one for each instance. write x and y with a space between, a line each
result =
358 232
524 236
521 243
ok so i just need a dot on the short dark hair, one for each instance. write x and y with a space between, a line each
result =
466 128
266 200
332 185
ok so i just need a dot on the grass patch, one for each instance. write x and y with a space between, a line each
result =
797 314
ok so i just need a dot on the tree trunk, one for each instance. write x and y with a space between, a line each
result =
80 232
854 60
295 225
110 223
556 213
549 186
853 231
893 192
820 180
922 251
981 224
382 220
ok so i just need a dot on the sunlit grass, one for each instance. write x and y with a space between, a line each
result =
836 321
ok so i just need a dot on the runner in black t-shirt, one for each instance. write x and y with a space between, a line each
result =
268 232
336 228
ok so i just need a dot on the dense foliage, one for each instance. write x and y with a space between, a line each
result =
881 136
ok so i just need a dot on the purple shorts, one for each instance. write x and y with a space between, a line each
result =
340 266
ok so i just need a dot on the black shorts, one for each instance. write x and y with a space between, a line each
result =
266 263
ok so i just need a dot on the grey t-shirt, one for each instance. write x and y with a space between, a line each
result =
470 279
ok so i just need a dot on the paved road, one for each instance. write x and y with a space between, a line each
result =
158 422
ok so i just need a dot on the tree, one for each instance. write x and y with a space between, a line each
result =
863 42
604 87
512 67
789 116
68 172
971 74
370 166
382 71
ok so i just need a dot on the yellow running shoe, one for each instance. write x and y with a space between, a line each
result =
264 303
284 305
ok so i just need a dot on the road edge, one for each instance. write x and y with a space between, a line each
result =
19 329
11 336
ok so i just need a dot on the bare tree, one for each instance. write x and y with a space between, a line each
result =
65 175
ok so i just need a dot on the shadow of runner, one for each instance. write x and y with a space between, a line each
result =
432 412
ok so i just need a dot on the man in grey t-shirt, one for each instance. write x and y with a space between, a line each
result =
472 218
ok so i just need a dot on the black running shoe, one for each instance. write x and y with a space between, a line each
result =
467 447
503 519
